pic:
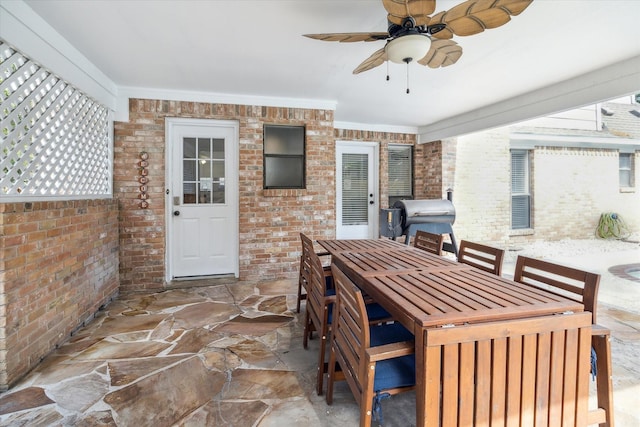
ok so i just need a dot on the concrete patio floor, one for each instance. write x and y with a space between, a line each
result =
231 354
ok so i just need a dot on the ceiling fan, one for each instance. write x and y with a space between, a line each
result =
413 35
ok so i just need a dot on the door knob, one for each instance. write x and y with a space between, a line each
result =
371 202
176 213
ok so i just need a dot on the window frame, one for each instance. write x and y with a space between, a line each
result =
525 194
279 156
630 169
394 197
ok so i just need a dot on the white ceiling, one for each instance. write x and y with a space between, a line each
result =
256 48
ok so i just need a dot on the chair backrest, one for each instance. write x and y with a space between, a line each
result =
481 256
305 260
429 242
317 288
539 372
579 285
351 330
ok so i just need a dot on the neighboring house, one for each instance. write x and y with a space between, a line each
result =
546 179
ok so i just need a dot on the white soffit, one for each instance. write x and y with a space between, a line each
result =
29 33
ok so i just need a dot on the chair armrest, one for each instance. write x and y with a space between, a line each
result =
390 351
329 299
597 330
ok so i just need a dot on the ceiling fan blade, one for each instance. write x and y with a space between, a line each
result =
377 58
475 16
349 37
419 10
442 54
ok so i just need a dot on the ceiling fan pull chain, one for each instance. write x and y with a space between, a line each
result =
407 61
387 70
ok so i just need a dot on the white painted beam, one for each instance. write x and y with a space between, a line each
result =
618 79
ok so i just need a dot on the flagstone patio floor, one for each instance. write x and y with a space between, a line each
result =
223 355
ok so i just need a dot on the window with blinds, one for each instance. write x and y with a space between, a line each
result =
626 169
400 165
355 186
520 190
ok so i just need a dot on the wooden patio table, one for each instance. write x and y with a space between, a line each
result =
425 291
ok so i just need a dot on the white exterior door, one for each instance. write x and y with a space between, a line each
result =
202 198
357 190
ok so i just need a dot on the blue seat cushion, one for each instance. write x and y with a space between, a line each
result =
396 372
387 334
376 312
328 282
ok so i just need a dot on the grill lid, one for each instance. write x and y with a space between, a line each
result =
424 211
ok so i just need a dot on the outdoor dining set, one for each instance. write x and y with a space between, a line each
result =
476 347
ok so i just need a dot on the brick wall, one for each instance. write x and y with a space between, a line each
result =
571 187
270 220
58 266
437 164
482 189
384 139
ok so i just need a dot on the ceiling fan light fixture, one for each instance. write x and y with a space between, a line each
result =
405 49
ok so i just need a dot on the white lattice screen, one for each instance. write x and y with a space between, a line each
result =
54 139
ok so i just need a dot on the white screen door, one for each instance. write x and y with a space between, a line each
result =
202 198
356 190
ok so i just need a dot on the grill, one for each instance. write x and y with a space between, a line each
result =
408 216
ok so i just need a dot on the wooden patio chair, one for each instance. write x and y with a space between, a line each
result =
318 314
581 286
481 256
375 360
429 242
305 268
537 365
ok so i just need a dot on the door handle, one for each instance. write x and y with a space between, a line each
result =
176 213
371 202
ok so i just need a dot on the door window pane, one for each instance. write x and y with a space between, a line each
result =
189 148
189 195
203 171
355 186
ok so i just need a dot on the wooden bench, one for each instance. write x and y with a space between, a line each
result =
582 286
481 256
522 372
